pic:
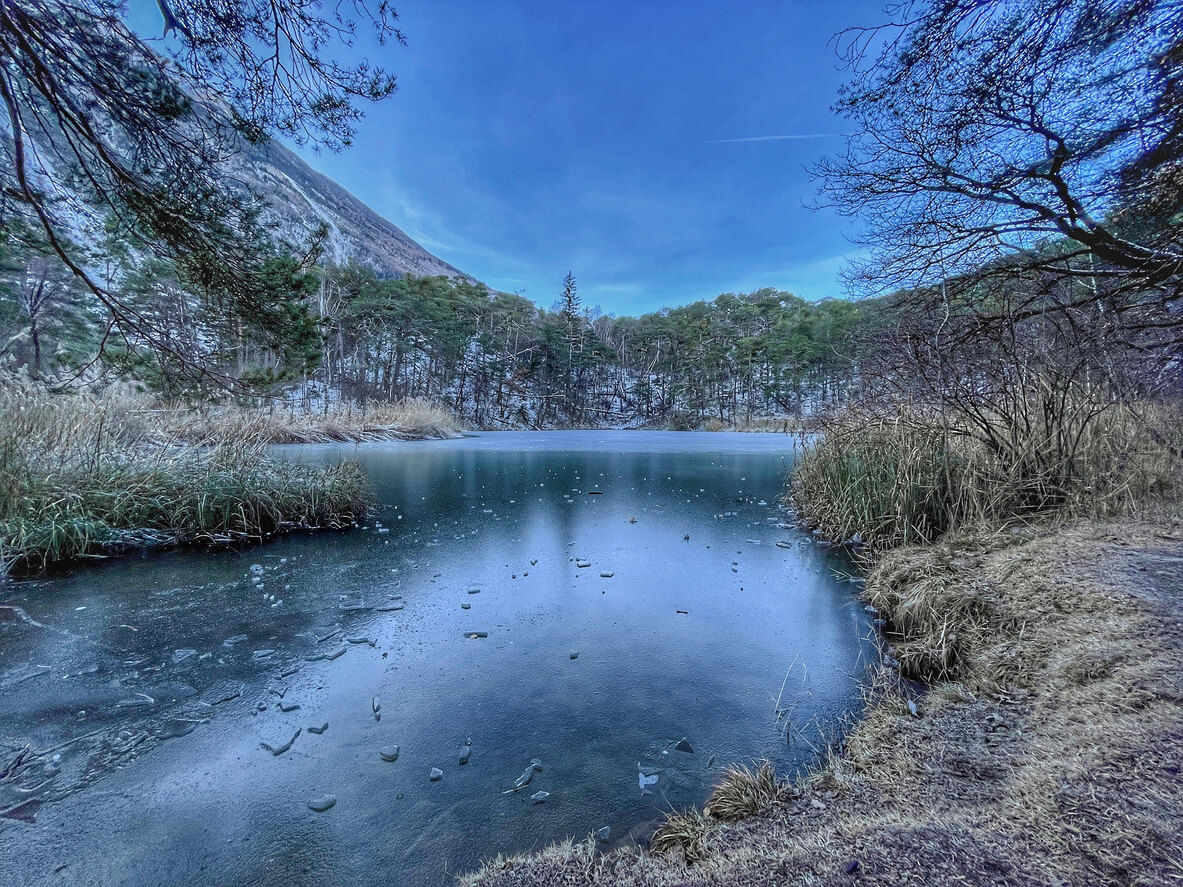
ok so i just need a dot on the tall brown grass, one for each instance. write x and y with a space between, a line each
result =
683 830
273 423
83 476
911 477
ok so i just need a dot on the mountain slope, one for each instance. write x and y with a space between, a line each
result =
300 198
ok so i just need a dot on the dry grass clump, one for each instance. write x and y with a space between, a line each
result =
84 476
910 478
936 611
409 419
681 831
744 792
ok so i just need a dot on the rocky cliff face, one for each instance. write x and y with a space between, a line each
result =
300 198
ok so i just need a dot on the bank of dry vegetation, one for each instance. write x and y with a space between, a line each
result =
91 476
908 477
279 423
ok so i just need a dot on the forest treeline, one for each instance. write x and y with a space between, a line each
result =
496 359
499 360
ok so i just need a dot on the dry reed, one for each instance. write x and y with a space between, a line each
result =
337 423
910 478
87 476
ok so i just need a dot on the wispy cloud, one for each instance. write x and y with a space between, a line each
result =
785 138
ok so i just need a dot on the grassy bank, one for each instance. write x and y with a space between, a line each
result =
275 423
909 478
82 477
686 422
1046 749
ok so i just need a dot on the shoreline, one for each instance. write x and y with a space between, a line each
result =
1046 748
246 428
96 477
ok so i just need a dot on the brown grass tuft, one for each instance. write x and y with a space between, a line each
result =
681 831
744 792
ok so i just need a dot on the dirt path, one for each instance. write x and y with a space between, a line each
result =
1047 751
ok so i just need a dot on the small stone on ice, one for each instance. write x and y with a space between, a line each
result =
605 574
436 774
603 834
539 797
466 606
323 803
388 753
683 745
465 753
574 654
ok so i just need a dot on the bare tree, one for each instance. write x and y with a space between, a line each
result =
42 290
1007 136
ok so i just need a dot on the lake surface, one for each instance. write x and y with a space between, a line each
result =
150 678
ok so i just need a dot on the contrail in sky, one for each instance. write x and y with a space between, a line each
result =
788 138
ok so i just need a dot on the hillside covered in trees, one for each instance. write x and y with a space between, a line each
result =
189 253
496 359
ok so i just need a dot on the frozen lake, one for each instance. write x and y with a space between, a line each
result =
156 680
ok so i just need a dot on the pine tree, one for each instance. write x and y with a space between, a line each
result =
572 316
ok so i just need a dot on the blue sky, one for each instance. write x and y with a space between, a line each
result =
655 148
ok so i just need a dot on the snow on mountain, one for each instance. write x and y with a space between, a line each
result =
299 198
